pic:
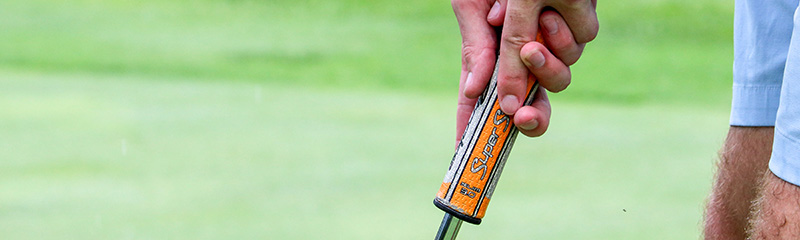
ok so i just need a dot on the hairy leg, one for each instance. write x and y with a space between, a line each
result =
776 213
743 161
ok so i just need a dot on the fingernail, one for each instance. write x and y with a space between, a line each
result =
550 25
530 125
536 59
495 10
469 79
509 104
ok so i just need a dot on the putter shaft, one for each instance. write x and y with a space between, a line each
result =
448 230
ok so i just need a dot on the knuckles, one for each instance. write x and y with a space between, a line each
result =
588 26
516 40
562 84
591 32
554 79
470 54
565 49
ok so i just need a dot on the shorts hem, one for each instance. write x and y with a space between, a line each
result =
785 156
754 105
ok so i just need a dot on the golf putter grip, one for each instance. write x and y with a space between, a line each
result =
481 154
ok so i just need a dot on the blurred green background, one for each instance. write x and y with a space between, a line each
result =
334 119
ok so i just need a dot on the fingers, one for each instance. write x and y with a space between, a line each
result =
477 55
551 73
558 37
478 45
477 67
520 27
580 16
463 111
555 32
533 120
497 13
564 36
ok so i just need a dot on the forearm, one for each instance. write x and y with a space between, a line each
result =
777 211
743 161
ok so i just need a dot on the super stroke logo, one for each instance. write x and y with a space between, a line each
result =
479 162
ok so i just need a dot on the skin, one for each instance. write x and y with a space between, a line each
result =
520 28
741 167
575 24
747 200
776 212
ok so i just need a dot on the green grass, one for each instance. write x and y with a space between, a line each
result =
651 51
98 157
334 119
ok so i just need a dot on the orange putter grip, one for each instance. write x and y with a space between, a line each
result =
480 156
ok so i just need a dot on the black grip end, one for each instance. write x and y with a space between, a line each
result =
466 218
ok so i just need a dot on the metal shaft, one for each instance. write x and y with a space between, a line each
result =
448 230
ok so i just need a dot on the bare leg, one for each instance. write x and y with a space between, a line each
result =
776 213
743 161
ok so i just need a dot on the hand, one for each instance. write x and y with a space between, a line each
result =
478 47
549 63
520 27
479 44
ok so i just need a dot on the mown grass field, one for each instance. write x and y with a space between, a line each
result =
320 119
